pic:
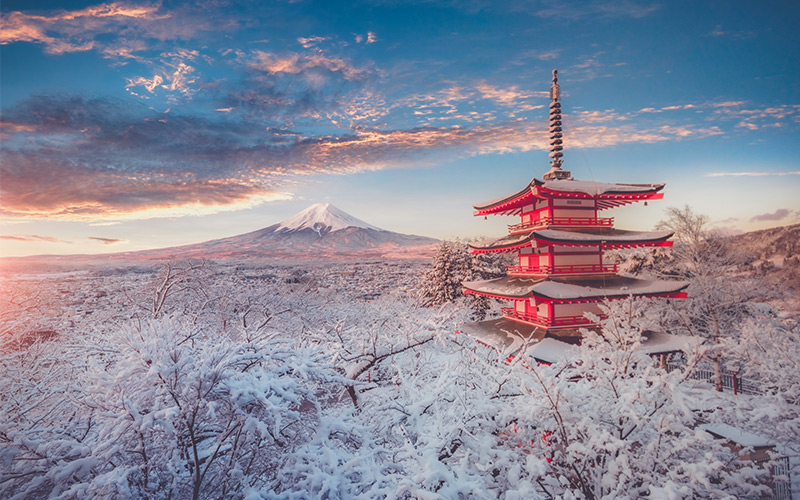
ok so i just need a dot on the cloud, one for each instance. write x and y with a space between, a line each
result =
107 241
741 34
295 63
371 37
33 237
70 157
779 214
310 42
750 174
596 9
78 30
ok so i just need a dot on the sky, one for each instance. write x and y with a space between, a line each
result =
134 125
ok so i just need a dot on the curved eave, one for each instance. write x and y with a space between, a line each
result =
574 291
508 205
612 197
505 244
521 240
604 241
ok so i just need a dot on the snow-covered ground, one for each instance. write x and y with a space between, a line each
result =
259 380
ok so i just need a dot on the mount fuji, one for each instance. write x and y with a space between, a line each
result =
321 230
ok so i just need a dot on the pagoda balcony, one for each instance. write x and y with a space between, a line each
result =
564 270
561 221
545 322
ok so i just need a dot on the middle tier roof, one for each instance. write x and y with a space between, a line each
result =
568 290
602 237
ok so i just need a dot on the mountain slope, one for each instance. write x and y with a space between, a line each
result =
321 230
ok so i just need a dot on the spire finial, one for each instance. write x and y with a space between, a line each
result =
555 133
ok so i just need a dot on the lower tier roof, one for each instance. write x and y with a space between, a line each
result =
576 289
510 339
605 237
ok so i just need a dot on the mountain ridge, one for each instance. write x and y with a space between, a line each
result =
320 231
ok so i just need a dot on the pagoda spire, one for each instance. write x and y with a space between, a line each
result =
556 143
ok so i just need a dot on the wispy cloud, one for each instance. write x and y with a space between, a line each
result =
719 32
311 41
77 158
33 237
597 9
107 241
777 215
751 174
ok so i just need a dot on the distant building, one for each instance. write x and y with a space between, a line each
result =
559 242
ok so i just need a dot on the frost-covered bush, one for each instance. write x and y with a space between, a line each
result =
610 424
173 411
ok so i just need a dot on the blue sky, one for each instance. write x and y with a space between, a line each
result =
133 125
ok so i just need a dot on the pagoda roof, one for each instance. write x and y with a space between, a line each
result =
509 338
609 194
570 290
605 237
503 335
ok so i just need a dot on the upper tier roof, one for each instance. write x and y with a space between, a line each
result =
608 195
605 237
572 290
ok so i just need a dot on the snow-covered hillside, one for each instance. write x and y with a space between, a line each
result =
323 217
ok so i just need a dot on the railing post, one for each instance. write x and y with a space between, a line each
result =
735 383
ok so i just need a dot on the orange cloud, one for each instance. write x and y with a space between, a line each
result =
73 31
295 63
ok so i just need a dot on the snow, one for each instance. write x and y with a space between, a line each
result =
661 342
738 436
602 235
323 215
551 351
504 335
520 287
496 201
596 188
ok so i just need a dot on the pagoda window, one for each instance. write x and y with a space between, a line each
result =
526 250
577 250
581 204
562 310
519 306
542 310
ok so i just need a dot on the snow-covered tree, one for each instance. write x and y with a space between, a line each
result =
611 424
452 265
442 283
719 294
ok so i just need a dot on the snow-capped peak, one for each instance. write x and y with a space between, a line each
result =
321 216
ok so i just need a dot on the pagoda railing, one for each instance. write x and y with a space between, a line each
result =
561 221
511 313
566 269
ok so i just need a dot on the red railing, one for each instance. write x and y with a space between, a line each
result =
574 269
511 313
561 221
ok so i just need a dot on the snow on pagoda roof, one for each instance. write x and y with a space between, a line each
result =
738 436
568 290
593 188
508 242
504 199
513 201
503 335
550 350
607 237
662 342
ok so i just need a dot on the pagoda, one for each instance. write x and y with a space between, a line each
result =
560 274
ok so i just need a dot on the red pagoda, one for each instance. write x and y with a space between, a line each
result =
559 242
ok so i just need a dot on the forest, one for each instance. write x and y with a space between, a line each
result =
264 380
